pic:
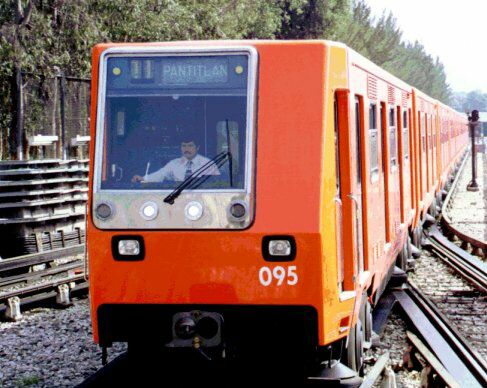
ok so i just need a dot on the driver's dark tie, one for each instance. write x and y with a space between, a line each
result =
188 172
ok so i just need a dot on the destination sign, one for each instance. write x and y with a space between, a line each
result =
187 71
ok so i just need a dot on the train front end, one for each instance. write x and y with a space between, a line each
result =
226 254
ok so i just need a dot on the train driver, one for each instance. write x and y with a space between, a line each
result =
181 168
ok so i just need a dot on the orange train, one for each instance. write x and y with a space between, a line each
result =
253 197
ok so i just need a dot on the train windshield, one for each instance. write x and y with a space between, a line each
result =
167 117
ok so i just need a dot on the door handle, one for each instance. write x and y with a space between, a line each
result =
354 199
338 200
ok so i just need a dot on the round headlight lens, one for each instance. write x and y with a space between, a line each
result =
103 211
237 210
149 211
193 211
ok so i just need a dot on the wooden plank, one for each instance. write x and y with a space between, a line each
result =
39 182
6 221
376 371
39 258
433 361
37 171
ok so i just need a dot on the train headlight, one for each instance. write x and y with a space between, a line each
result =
149 211
104 211
193 211
279 248
237 211
129 247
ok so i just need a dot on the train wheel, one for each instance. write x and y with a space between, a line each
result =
402 258
368 322
359 351
418 231
366 319
432 209
354 354
409 249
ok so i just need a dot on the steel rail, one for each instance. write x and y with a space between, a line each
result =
447 222
467 265
465 365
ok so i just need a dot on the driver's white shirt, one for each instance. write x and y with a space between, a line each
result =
175 170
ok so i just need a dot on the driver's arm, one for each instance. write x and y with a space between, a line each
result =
160 175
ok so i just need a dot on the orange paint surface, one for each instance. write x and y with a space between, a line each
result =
298 83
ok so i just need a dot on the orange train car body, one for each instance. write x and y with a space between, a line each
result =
319 168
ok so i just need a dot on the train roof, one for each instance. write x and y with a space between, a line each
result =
355 58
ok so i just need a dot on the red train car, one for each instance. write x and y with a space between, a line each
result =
246 192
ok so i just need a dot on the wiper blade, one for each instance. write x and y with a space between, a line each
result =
196 179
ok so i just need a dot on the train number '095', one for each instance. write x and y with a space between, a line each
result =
278 275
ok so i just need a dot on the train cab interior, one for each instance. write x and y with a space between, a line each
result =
147 123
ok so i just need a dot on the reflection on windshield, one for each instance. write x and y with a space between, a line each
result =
156 138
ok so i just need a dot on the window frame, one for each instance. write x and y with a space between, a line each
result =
393 160
138 51
373 130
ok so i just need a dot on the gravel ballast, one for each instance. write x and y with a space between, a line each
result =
50 348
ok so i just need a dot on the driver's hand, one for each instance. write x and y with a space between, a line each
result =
137 178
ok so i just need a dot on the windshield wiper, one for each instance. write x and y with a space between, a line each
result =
196 179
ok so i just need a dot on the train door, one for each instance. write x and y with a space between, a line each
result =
412 163
394 187
434 156
349 196
338 203
427 123
356 195
422 153
404 164
385 169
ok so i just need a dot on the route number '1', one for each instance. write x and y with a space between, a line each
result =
278 274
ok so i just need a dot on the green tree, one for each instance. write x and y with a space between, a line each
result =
313 19
381 41
42 35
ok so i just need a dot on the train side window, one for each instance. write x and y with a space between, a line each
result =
405 135
392 139
374 143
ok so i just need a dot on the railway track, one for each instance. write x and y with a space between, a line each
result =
22 285
467 265
463 366
479 246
